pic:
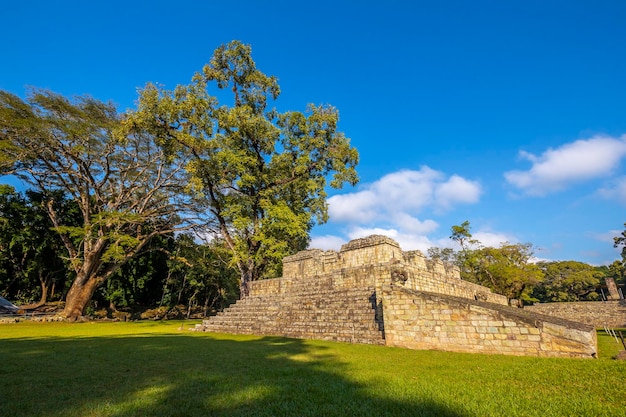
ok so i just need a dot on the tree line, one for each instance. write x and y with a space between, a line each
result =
119 189
512 270
175 270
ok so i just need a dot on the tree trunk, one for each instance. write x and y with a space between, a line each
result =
44 283
244 285
248 274
244 289
79 296
205 308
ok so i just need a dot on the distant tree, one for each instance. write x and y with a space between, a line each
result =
262 174
32 267
618 268
462 235
447 256
617 271
127 184
465 257
568 281
506 269
200 274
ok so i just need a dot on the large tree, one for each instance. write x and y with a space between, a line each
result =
126 183
261 173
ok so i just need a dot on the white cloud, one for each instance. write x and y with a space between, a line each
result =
457 190
359 232
571 163
407 241
393 206
413 224
327 242
355 207
403 193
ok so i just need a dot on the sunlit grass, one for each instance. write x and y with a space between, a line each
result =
608 345
162 369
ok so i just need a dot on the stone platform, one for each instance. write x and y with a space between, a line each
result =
373 292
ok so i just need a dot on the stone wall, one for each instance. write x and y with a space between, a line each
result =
397 298
420 320
375 261
611 314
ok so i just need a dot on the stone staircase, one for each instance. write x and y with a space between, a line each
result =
346 315
342 296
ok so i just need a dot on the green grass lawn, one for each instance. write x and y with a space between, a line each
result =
161 369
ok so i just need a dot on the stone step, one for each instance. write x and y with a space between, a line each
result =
361 320
311 292
293 330
306 322
306 311
293 327
276 308
323 297
331 333
366 327
331 312
325 315
322 300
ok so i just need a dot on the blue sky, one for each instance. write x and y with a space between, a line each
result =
508 114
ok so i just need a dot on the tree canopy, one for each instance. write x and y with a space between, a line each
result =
568 281
127 186
261 173
254 178
510 269
506 269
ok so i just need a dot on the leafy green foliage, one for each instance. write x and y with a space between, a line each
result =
620 241
32 267
616 270
507 269
139 281
568 281
261 173
200 274
127 186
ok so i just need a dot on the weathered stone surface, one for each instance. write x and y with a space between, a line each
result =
372 292
611 314
421 320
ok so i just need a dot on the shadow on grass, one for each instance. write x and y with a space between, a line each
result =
185 375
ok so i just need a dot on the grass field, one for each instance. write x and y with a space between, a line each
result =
162 369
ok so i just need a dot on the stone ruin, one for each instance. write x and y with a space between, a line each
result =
373 292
